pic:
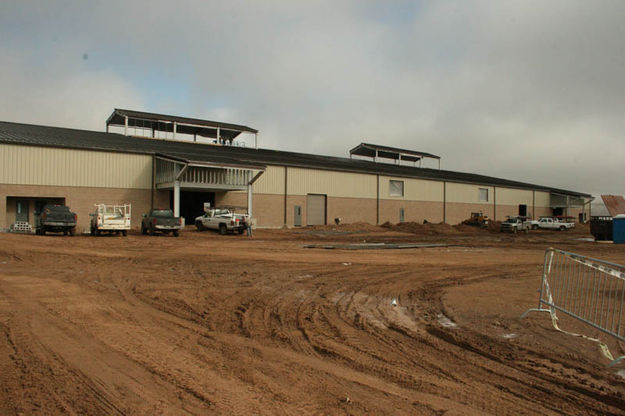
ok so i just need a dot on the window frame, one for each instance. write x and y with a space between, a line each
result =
479 194
390 188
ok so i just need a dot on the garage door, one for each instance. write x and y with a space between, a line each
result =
315 209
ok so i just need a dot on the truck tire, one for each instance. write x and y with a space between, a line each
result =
562 228
97 232
124 233
143 230
72 231
534 227
222 229
176 233
151 230
43 230
199 226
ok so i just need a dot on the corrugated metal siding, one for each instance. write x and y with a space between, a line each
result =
31 165
506 196
270 182
457 192
414 189
334 184
542 199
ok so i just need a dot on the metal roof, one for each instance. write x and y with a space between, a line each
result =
185 125
373 150
615 204
28 134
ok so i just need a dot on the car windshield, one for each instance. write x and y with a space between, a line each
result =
162 213
511 220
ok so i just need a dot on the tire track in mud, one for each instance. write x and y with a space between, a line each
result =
292 338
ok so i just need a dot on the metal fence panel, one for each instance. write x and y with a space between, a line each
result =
587 289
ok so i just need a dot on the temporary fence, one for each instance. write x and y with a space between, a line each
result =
587 289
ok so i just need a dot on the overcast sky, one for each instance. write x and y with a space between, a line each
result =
524 90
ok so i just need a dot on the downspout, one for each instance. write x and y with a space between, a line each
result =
533 203
444 202
286 193
494 203
153 182
377 204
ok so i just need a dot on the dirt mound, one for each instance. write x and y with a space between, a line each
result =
354 227
425 229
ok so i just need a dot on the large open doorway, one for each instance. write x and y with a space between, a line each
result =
192 204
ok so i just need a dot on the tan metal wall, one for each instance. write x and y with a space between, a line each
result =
271 181
414 189
542 199
507 196
31 165
331 183
467 194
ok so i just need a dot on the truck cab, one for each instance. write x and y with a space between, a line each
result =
223 220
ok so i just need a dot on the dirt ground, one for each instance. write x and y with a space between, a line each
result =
210 324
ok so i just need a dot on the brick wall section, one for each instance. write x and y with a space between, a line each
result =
414 211
351 210
457 212
269 209
81 200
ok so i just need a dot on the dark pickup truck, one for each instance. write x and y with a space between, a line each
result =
162 221
56 219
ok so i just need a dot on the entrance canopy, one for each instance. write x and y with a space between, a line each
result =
176 174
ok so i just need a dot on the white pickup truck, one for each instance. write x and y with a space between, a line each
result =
223 220
110 219
548 223
515 224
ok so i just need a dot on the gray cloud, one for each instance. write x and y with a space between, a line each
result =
525 90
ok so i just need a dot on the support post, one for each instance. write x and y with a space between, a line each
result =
125 125
249 200
256 140
107 127
174 132
176 198
218 134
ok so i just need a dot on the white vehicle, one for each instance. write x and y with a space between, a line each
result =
223 220
515 224
548 223
110 219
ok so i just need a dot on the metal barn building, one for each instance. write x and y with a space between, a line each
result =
198 161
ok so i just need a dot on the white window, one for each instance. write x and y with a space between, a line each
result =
483 194
396 188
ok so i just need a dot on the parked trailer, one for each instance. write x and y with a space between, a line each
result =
110 219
